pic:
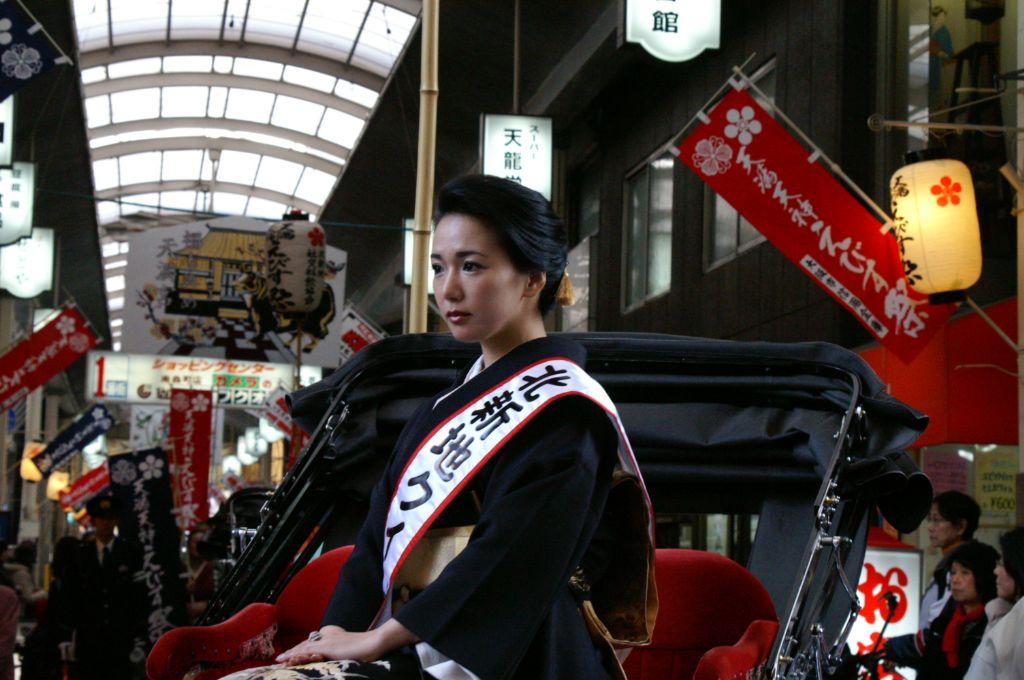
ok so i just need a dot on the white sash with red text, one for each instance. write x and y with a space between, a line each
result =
459 447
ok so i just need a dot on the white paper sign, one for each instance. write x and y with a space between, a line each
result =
17 196
674 30
887 571
149 379
148 428
518 148
356 332
6 130
26 267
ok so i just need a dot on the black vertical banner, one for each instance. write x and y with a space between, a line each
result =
141 481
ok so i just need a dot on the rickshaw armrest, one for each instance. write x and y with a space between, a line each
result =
737 660
249 634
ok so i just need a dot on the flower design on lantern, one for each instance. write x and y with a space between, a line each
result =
940 248
713 156
742 125
947 190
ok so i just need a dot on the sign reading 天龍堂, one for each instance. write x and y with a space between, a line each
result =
518 148
674 30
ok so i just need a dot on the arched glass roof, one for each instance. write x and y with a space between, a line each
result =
248 107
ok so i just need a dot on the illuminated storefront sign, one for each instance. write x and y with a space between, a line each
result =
149 378
518 148
17 195
6 130
674 30
26 267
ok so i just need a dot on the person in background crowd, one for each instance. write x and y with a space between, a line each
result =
952 521
19 570
200 575
944 649
1001 654
107 603
42 659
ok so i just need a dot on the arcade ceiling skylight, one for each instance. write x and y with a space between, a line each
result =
246 107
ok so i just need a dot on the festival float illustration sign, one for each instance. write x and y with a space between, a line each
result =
202 289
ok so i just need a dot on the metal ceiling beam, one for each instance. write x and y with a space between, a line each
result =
204 185
412 7
225 80
227 124
223 143
203 48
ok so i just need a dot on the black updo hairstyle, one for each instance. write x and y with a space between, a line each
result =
530 232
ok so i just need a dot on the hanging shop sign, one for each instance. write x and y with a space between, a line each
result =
518 148
6 130
995 485
149 378
93 483
141 482
17 199
42 355
357 332
191 426
750 160
889 576
26 266
947 470
96 420
205 289
148 426
275 411
674 30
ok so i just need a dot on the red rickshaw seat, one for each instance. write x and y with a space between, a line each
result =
707 602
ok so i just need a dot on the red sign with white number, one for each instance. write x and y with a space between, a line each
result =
85 487
190 430
32 362
752 162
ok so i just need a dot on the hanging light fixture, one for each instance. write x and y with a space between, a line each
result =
936 223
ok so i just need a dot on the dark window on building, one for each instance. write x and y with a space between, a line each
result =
647 238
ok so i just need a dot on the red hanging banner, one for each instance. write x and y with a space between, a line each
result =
32 362
752 162
85 487
190 430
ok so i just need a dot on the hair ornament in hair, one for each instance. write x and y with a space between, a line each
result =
566 295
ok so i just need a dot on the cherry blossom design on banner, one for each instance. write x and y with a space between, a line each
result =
752 162
190 435
40 356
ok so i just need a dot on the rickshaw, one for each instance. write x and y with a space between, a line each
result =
801 435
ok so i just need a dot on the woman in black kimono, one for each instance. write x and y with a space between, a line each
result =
503 607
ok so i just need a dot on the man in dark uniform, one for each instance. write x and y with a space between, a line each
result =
107 597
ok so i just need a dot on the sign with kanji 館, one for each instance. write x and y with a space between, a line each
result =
674 30
518 148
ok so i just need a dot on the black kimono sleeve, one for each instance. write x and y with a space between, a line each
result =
543 497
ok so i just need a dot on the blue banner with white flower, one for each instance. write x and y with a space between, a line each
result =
96 420
141 480
26 51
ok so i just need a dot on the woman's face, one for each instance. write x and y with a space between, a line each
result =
941 532
1006 587
479 291
961 585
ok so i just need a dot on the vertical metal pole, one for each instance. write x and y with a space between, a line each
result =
517 27
1020 290
6 333
424 166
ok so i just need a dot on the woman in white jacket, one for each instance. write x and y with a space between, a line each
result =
1001 653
